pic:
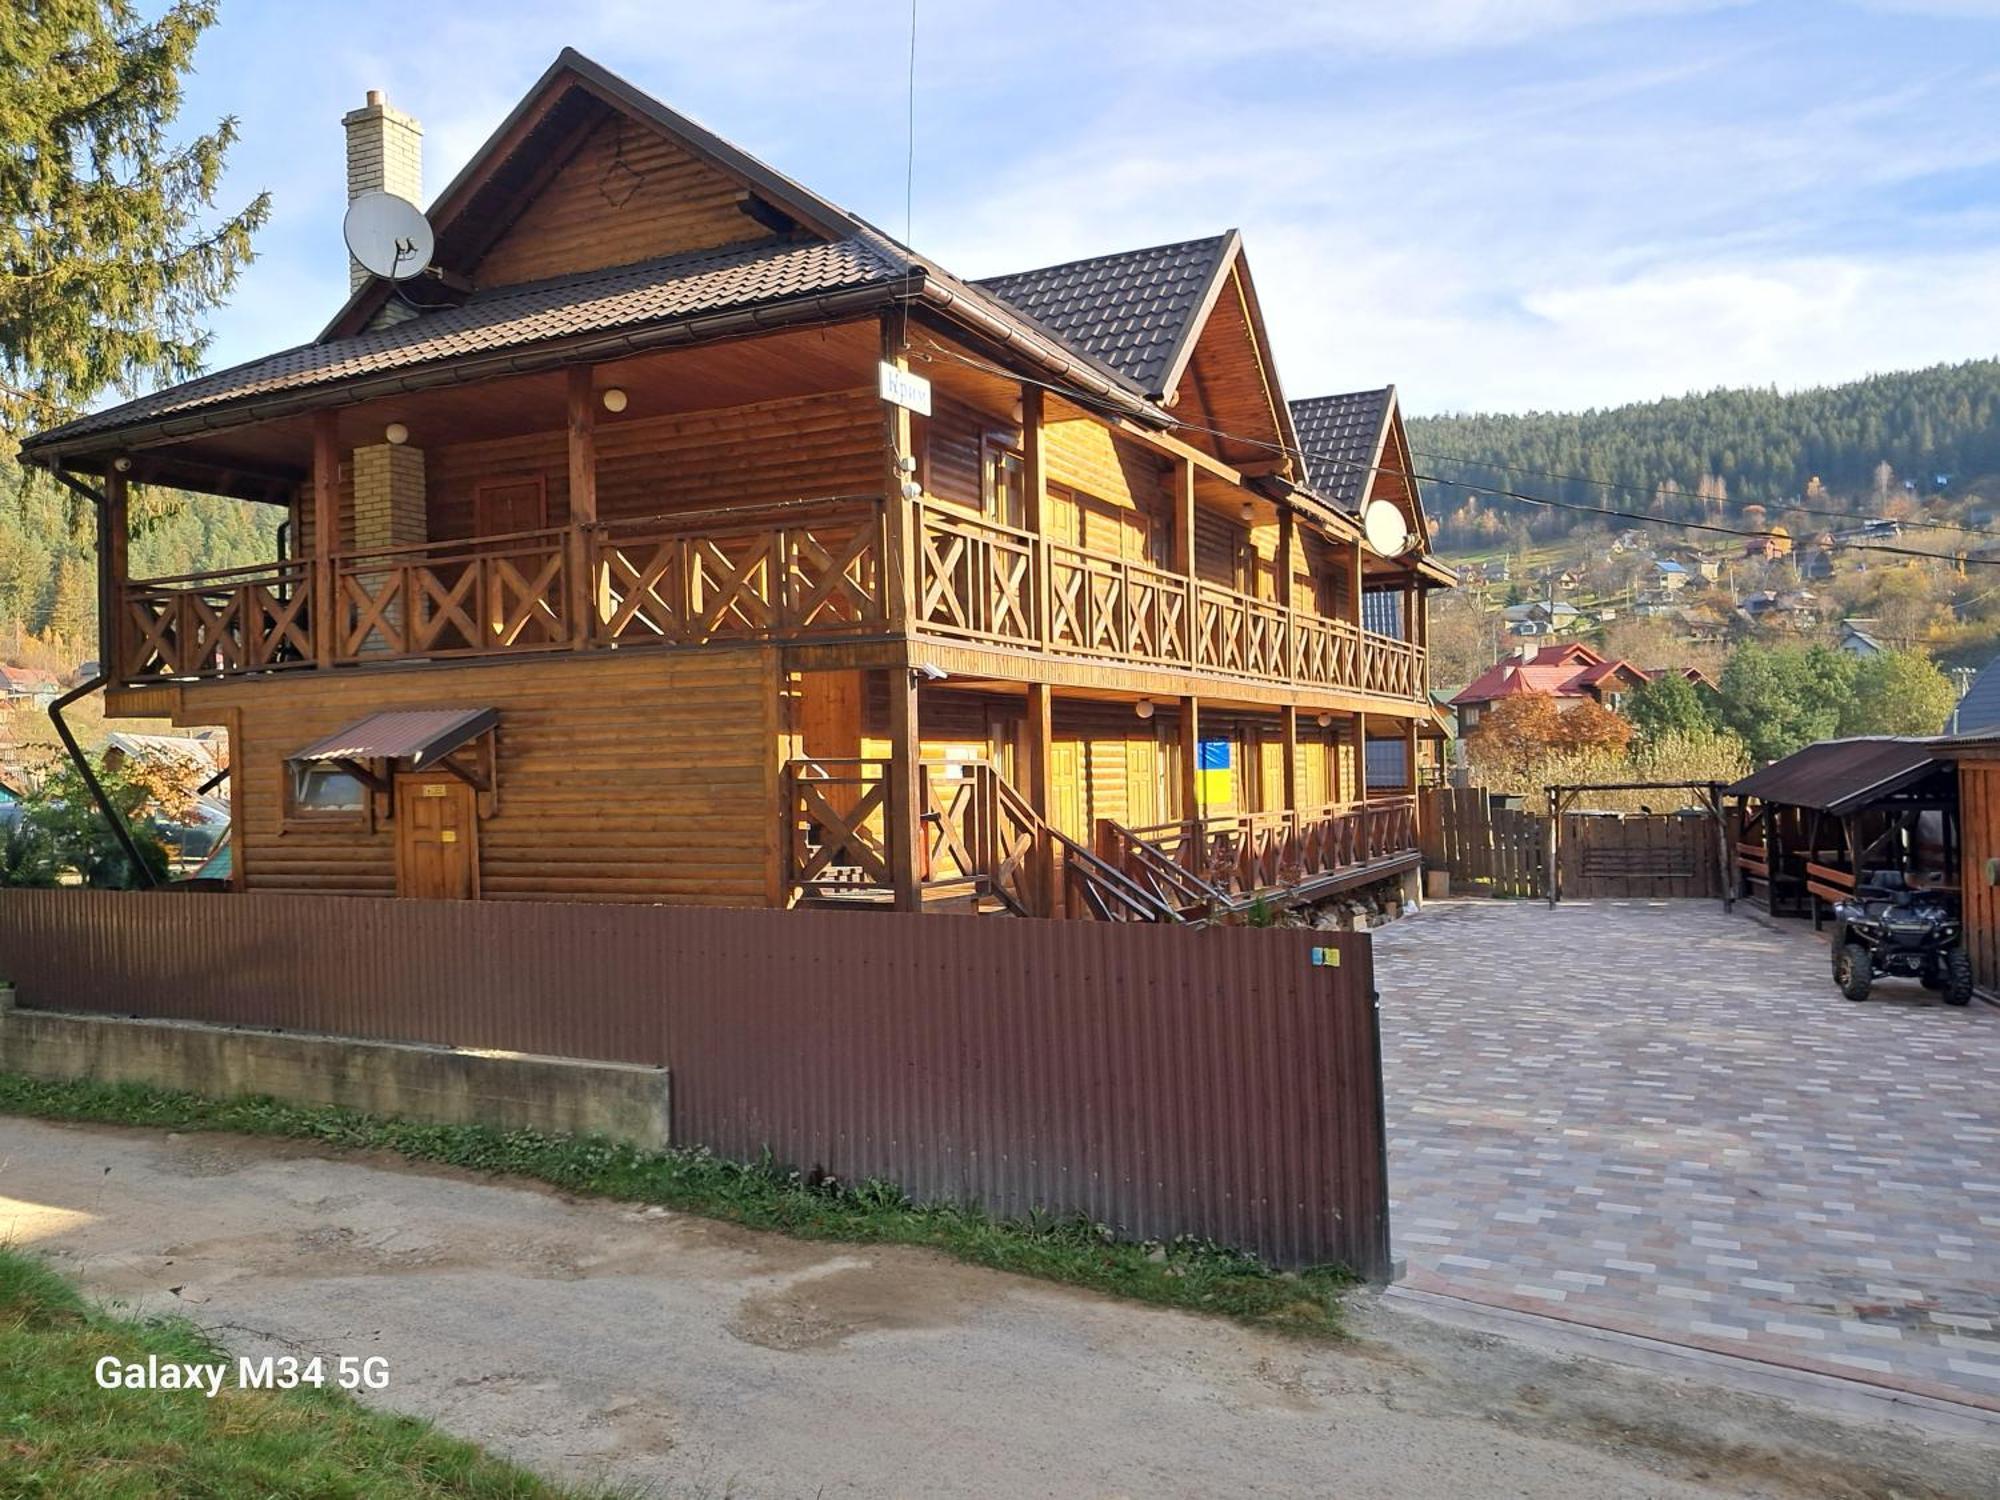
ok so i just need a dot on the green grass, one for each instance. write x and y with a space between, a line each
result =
1189 1273
63 1436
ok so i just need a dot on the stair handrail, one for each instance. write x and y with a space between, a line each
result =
1105 888
1167 874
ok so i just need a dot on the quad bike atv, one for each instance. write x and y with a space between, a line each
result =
1889 926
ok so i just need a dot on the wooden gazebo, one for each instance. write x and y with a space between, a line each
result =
1806 828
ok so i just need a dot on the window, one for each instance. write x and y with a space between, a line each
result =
1385 764
1382 612
1120 531
1003 480
322 791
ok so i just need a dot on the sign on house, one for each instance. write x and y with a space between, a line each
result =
901 388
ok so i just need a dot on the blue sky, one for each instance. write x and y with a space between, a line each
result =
1498 204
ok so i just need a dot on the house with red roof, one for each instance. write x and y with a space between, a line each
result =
1571 673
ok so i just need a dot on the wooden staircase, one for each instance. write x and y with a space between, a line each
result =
985 851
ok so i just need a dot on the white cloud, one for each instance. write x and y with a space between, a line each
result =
1650 198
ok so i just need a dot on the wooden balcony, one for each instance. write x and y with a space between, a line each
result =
818 570
983 582
779 573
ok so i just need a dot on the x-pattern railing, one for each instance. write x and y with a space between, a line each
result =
217 624
978 580
488 596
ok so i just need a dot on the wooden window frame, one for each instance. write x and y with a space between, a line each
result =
297 819
1007 445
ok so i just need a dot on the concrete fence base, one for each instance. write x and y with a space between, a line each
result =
436 1085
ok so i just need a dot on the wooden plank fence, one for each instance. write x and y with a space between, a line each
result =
1502 851
1639 856
1495 849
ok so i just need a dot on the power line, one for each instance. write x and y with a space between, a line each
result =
1633 489
1089 402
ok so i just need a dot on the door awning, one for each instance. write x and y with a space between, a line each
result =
420 736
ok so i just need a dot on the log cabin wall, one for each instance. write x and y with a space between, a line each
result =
1979 840
800 448
626 194
651 776
1107 762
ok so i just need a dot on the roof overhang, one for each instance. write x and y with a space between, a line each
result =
413 739
1841 777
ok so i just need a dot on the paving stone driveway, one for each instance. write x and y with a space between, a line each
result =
1654 1117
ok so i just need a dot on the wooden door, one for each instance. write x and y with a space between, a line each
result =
1066 791
437 839
501 507
1144 805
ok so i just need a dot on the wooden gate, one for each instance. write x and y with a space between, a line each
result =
1499 850
1639 855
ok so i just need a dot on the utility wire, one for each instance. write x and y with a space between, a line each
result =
910 185
1634 489
1092 403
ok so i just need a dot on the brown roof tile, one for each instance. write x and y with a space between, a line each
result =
1132 311
657 291
1339 435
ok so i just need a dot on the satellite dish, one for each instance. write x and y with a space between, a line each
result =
389 236
1388 533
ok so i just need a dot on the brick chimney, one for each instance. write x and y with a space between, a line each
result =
384 155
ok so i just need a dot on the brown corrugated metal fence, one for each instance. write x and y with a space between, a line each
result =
1162 1081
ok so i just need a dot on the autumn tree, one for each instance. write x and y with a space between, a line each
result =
60 829
111 252
1520 732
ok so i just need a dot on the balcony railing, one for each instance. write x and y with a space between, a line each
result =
1228 859
818 569
766 573
980 581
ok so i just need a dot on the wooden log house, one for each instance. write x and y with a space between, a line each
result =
608 573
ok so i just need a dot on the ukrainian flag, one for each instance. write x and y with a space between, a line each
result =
1215 778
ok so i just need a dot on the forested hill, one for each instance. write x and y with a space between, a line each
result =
1696 455
48 552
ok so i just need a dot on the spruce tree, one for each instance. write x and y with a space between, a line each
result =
111 251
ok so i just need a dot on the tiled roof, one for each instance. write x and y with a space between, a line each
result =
657 291
1132 311
1563 671
1979 709
1339 434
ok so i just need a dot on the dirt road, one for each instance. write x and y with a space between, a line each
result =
683 1358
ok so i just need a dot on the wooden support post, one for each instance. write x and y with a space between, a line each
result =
1034 505
1722 842
1288 545
114 535
1361 758
1552 848
1038 724
1355 582
903 539
1183 553
326 534
1410 757
1191 761
905 820
582 500
1289 722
